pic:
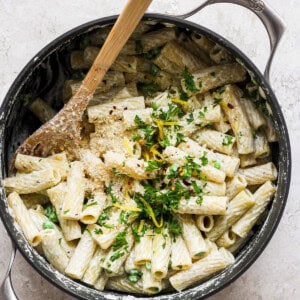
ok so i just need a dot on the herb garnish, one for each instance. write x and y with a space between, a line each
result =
114 199
217 165
154 69
139 47
48 225
153 165
148 88
189 81
50 212
135 275
227 140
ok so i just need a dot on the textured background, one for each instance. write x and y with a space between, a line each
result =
28 25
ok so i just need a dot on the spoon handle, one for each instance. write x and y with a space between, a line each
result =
118 36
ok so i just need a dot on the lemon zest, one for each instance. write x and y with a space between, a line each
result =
127 198
173 123
151 213
160 127
127 145
126 207
141 225
178 101
146 155
155 153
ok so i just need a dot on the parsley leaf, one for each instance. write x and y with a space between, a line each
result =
153 165
190 118
173 171
148 88
179 138
50 212
114 199
117 255
199 200
120 241
227 140
204 159
103 217
98 231
217 165
117 173
153 53
154 69
48 225
189 81
139 47
174 228
135 275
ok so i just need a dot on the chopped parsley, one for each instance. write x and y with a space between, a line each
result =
117 255
154 69
216 101
90 204
183 95
98 231
227 140
124 217
204 159
114 199
135 275
262 106
139 47
199 200
103 217
120 241
189 81
165 142
202 112
200 254
149 89
179 138
48 225
175 228
120 174
190 118
173 171
171 114
217 165
153 53
148 265
50 212
153 165
149 132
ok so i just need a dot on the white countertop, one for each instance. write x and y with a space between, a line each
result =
28 25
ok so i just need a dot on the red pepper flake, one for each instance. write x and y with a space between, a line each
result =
110 112
186 182
230 105
125 108
114 107
138 165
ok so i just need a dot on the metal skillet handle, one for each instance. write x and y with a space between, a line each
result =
6 289
272 22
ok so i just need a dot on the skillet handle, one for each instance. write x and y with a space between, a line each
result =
6 288
272 22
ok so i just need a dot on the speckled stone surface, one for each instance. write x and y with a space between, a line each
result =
28 25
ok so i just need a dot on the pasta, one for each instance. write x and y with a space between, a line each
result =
174 167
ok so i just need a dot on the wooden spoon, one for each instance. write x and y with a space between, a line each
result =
63 131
